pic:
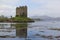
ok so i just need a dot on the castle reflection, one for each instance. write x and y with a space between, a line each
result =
13 30
21 30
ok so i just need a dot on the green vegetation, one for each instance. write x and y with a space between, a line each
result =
21 19
2 18
15 19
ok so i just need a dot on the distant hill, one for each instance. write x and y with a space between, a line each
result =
46 18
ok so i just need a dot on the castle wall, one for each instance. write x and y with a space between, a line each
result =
21 11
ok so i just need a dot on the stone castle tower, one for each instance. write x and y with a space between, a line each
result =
21 11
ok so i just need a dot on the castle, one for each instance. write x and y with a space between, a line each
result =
21 11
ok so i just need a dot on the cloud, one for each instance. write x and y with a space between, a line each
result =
9 2
7 7
46 7
35 7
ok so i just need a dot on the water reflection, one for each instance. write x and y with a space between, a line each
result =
21 30
13 30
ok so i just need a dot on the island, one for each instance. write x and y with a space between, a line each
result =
21 16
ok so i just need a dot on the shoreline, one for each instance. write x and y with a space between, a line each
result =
17 21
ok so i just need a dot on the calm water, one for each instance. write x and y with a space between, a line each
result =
40 30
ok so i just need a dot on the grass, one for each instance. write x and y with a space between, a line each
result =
21 19
16 19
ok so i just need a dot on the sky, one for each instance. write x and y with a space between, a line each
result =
35 7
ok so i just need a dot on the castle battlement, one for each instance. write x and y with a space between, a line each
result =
22 7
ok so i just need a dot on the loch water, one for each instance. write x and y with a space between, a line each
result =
39 30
